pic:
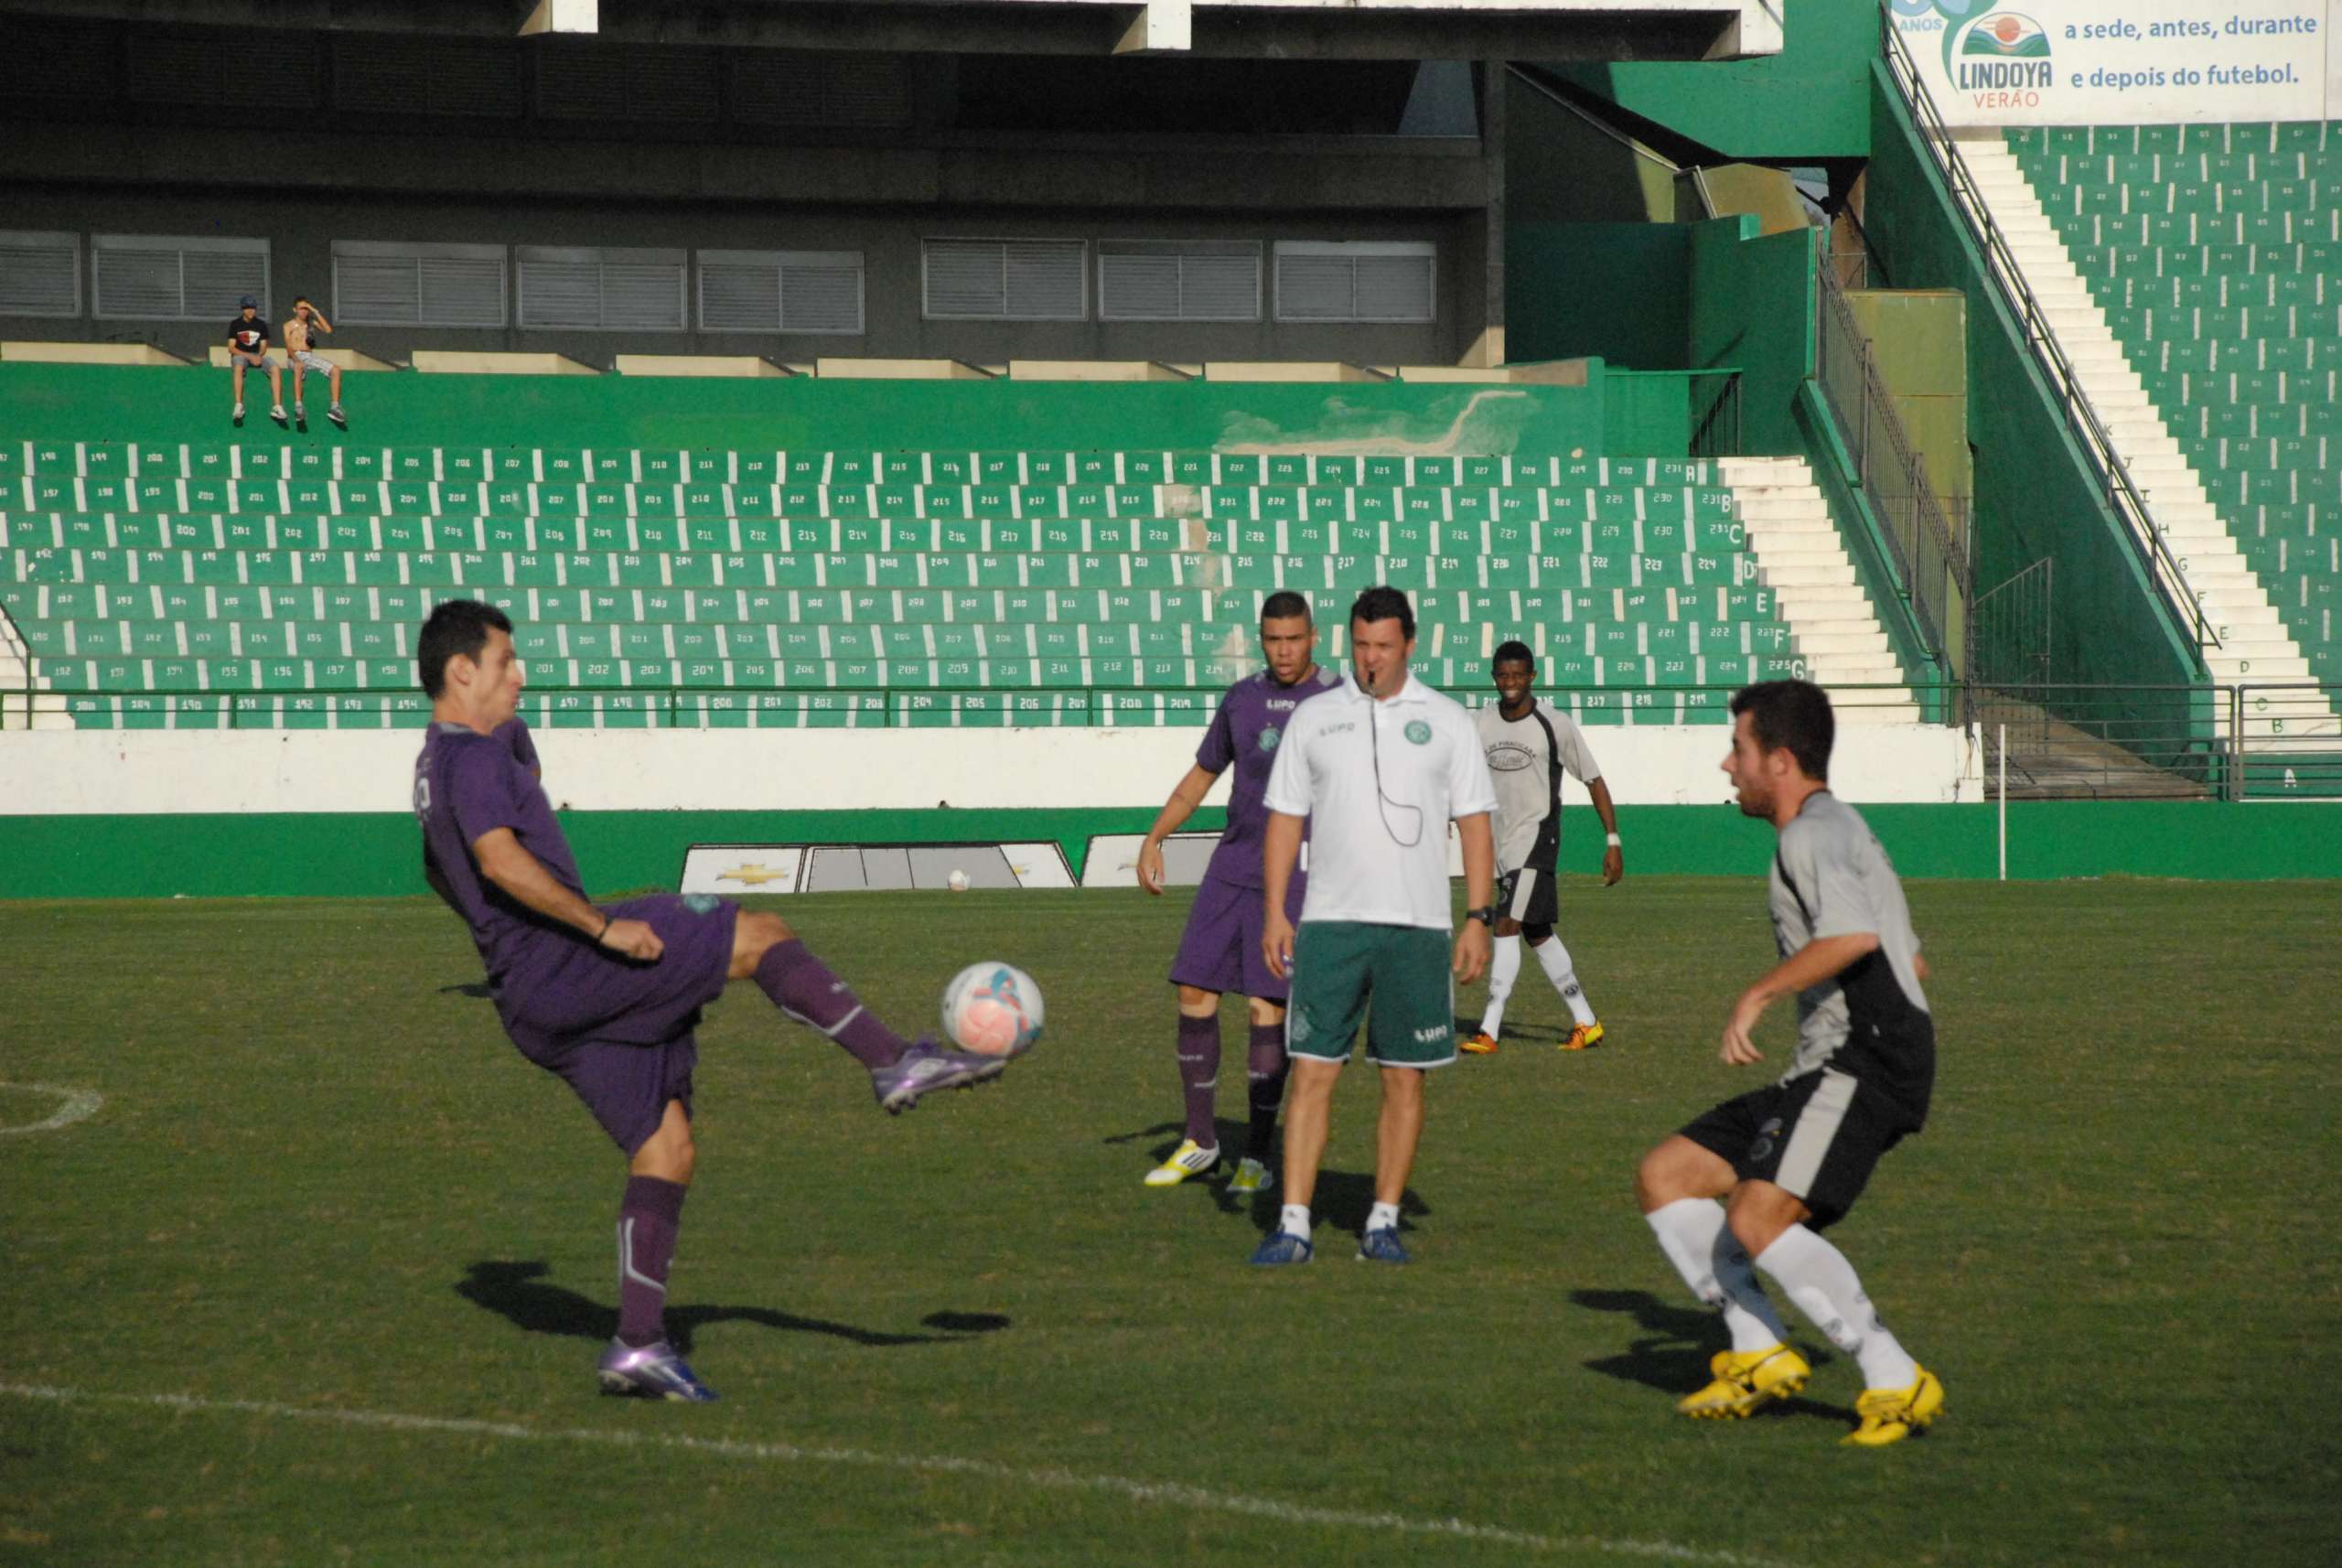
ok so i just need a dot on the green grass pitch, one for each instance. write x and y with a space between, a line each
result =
327 1270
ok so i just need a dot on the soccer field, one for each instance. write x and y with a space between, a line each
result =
323 1277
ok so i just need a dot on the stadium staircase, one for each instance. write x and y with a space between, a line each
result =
2194 277
281 585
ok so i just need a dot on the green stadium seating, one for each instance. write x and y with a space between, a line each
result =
2216 252
206 585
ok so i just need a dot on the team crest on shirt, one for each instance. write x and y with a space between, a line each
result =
1269 738
1419 732
702 903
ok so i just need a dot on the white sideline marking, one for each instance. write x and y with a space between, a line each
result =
80 1105
1166 1494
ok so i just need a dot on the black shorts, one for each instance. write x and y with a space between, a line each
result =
1815 1137
1527 895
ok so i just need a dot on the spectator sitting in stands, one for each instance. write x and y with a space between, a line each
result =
248 346
307 319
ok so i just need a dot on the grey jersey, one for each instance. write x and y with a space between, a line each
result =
1527 757
1831 878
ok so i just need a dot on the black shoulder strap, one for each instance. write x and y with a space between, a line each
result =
1782 870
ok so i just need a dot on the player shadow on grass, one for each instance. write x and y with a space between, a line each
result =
1515 1034
517 1292
478 990
1673 1359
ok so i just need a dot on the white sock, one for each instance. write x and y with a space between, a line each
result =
1556 960
1504 967
1692 1234
1825 1288
1296 1220
1382 1217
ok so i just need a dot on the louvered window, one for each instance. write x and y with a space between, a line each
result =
781 291
1006 280
162 277
1365 280
40 274
1179 280
387 285
609 290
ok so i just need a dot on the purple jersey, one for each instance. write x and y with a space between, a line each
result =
514 733
467 785
1245 731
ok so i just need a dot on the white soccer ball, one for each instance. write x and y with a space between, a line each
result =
958 880
994 1009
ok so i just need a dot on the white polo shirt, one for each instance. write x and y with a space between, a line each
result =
1380 856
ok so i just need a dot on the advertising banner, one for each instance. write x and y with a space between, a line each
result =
2122 62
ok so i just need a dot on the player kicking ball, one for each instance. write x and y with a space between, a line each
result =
1529 747
1790 1160
1220 950
606 998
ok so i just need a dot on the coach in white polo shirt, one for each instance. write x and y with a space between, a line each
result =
1378 768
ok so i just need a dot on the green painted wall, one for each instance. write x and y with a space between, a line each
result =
1618 292
406 409
1559 169
340 856
1804 104
1919 341
1752 308
2035 493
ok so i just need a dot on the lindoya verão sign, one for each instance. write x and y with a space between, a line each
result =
2124 62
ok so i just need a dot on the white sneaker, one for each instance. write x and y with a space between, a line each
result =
240 414
1189 1159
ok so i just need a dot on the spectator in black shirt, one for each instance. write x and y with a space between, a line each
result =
248 346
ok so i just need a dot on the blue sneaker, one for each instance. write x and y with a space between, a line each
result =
1382 1247
651 1372
928 1066
1284 1247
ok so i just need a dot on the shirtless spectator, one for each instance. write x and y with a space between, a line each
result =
301 348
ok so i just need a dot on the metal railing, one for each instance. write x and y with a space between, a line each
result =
2012 632
1715 414
14 644
2050 741
2122 496
1929 557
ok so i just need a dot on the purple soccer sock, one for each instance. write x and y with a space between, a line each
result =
1199 1074
1266 1066
804 987
649 1217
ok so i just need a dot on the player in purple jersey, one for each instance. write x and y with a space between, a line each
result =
607 998
1220 951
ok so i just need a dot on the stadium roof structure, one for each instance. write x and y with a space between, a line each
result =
1625 31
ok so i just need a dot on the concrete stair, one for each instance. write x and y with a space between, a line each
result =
1798 556
2254 645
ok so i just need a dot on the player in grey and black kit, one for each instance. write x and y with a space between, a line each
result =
1529 747
1792 1159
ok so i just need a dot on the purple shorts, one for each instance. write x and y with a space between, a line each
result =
619 1033
1221 948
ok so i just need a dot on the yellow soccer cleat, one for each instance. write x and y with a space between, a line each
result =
1747 1382
1890 1415
1583 1037
1189 1159
1482 1044
1251 1176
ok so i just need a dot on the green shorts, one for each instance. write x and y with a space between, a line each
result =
1339 965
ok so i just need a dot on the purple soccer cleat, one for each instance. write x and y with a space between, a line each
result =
928 1066
651 1372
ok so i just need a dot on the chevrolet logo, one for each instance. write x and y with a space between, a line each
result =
755 875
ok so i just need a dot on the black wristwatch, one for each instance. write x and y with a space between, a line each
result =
1487 916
